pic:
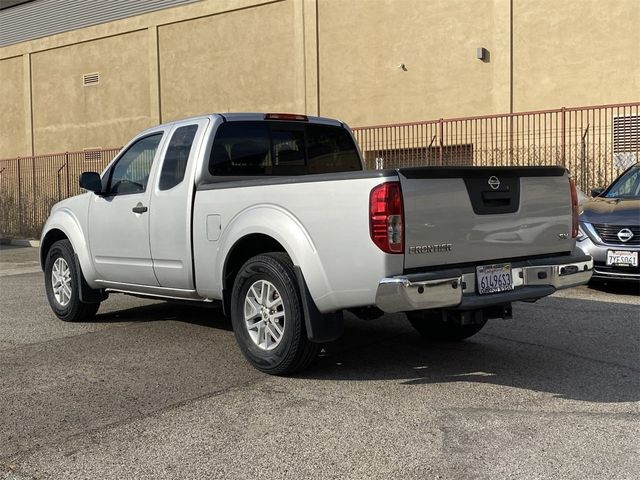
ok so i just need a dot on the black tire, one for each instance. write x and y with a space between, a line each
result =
431 325
74 310
294 352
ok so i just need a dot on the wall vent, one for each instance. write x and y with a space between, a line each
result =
92 155
626 140
90 79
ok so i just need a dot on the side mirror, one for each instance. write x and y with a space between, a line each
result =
596 192
91 181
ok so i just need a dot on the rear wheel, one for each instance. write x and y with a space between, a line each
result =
267 316
62 285
435 326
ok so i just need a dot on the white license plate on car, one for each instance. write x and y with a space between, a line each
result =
494 278
622 258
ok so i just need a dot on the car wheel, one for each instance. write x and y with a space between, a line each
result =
267 316
62 284
431 325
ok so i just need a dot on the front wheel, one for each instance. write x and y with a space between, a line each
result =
62 284
267 316
434 326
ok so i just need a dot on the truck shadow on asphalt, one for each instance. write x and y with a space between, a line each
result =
208 316
416 363
593 358
573 349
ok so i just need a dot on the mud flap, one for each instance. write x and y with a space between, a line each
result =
321 327
86 293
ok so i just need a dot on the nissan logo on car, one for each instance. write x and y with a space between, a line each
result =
494 182
625 235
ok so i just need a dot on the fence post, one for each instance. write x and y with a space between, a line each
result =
20 205
35 211
510 152
583 158
441 134
66 162
563 142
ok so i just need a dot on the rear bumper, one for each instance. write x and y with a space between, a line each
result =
456 288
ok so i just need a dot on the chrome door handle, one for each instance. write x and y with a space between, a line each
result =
139 208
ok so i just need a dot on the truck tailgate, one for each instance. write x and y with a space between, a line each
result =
456 215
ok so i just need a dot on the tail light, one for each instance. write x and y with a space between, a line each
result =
574 208
386 217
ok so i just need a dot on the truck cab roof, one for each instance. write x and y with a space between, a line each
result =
243 116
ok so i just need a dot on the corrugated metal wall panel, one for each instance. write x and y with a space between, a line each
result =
42 18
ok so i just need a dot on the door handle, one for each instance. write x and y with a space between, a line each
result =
139 208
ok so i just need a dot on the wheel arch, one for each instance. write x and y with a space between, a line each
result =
63 224
320 327
242 250
264 228
51 237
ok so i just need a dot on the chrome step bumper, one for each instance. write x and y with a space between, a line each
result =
455 289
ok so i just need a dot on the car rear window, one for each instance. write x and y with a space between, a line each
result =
281 148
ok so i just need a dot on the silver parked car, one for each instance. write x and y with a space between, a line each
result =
610 228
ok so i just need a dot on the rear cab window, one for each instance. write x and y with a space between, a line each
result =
177 156
253 148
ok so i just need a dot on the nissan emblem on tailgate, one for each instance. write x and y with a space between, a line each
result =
494 182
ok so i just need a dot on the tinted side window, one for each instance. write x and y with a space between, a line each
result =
131 173
241 148
331 149
175 160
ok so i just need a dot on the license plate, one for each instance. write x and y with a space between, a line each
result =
494 278
621 258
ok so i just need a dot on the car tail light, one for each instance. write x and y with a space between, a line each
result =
286 116
386 217
574 208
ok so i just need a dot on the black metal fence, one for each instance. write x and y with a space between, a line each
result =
595 143
30 186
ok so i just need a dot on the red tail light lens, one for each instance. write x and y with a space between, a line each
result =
574 208
386 217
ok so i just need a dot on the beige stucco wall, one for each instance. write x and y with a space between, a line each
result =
71 116
362 45
12 108
339 58
575 52
245 60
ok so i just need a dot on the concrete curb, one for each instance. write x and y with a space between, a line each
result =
20 242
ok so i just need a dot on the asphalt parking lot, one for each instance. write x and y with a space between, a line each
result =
152 390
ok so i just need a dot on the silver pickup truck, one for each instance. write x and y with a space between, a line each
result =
273 217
